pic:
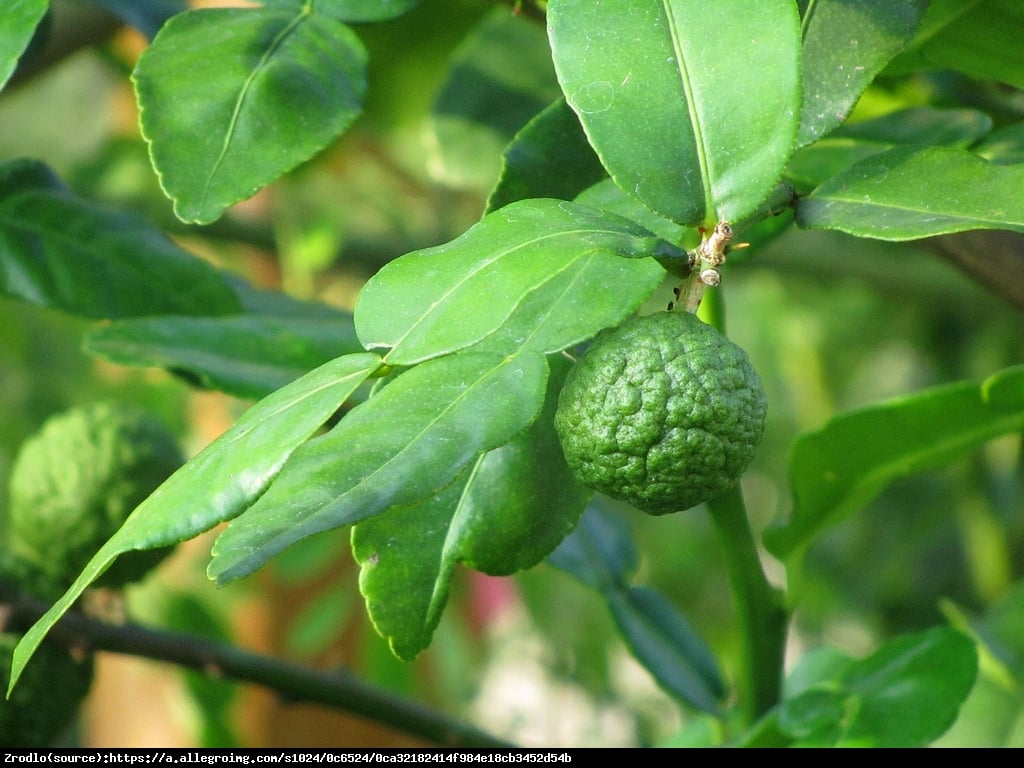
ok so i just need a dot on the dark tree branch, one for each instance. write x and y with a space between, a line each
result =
336 689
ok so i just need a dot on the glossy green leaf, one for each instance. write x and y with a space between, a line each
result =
500 78
851 143
248 356
232 472
506 512
664 642
983 42
350 10
563 258
406 581
399 447
18 23
549 157
61 252
521 500
914 192
846 44
232 98
838 469
904 695
607 196
692 110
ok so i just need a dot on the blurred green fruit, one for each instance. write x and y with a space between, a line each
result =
75 482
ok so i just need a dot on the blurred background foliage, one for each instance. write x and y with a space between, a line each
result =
831 322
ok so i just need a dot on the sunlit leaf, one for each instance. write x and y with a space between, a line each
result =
399 447
504 513
549 157
62 252
692 110
843 466
18 23
846 44
904 695
232 472
232 98
914 192
545 273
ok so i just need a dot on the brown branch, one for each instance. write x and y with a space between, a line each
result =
336 689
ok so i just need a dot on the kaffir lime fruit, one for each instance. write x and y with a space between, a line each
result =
663 412
46 699
75 482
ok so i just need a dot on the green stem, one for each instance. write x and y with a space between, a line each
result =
759 608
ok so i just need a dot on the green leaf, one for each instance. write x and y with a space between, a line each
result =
562 258
914 192
500 78
1004 146
846 44
664 642
843 466
905 695
248 356
406 581
219 482
350 10
983 43
61 252
600 552
610 198
522 499
232 98
18 24
549 157
948 127
851 143
693 111
399 447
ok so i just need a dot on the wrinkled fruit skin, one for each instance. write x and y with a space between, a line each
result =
46 699
75 482
662 412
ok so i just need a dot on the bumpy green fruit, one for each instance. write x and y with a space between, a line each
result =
47 697
75 482
48 694
662 412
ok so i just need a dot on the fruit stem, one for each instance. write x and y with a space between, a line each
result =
759 607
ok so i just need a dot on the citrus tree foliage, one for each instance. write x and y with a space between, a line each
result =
422 421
